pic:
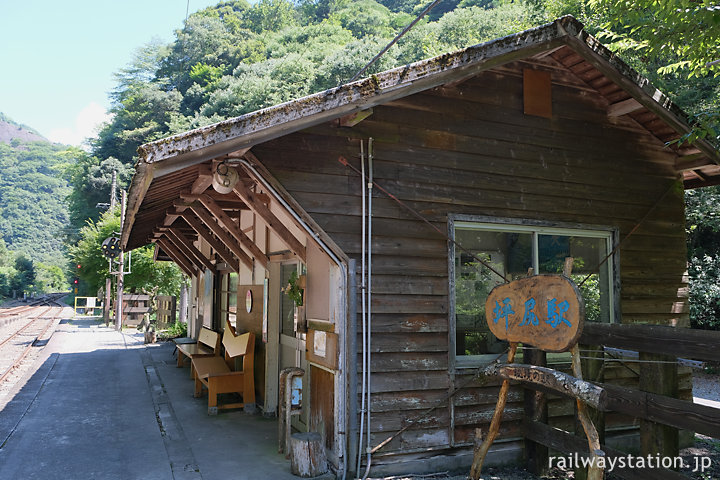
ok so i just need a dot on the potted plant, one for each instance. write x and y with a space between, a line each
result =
295 289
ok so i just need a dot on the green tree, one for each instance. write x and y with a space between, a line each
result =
91 181
271 16
703 242
146 273
24 278
50 278
680 36
32 208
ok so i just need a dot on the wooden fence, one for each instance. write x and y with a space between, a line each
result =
133 309
658 347
166 311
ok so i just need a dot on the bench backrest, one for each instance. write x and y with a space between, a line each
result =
240 346
210 339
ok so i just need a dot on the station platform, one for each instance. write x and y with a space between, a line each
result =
102 405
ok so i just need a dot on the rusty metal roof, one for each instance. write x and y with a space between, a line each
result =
627 92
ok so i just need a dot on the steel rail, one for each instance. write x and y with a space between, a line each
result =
27 349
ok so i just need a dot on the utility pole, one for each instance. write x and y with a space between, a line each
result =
113 188
121 270
108 280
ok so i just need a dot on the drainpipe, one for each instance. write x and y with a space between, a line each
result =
363 287
343 275
352 365
368 450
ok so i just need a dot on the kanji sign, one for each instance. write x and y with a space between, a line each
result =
546 311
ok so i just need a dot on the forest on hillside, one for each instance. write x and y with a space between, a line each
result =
238 57
33 210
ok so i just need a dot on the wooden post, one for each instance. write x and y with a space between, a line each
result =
660 378
536 454
182 316
108 299
593 371
121 270
594 472
482 449
307 455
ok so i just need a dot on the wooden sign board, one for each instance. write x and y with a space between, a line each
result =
322 348
546 311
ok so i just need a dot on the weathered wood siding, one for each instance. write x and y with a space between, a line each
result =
469 149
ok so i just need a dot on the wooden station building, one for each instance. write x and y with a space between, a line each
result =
523 150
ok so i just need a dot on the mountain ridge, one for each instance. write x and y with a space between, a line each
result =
9 130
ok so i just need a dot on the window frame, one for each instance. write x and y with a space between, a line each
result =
535 228
226 295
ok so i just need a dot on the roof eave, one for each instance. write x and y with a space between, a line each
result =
639 87
256 127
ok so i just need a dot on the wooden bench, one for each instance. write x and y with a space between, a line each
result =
208 344
218 375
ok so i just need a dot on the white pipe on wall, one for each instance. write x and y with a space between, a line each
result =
363 297
368 450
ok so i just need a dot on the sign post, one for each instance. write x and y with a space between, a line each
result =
547 312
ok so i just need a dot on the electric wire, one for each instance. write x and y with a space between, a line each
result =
393 41
344 161
634 229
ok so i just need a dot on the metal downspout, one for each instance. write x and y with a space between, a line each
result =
351 365
368 450
363 287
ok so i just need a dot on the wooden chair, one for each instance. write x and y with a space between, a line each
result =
218 374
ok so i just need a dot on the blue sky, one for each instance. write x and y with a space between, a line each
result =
57 58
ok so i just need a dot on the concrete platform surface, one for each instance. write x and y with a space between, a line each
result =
101 405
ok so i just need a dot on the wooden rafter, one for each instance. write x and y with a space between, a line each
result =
177 256
225 238
700 175
226 222
352 119
690 162
186 246
253 201
624 107
203 181
207 235
169 219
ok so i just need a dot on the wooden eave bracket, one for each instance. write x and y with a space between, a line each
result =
256 204
204 233
226 222
692 162
185 244
177 256
207 219
352 119
648 96
624 107
203 181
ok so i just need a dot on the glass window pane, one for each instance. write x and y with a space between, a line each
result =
587 253
287 306
509 253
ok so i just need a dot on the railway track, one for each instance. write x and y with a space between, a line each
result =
23 327
18 311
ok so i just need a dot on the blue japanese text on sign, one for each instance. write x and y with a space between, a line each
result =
546 311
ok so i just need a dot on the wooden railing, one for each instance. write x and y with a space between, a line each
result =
645 405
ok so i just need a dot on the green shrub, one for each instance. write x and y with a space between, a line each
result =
175 330
704 299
